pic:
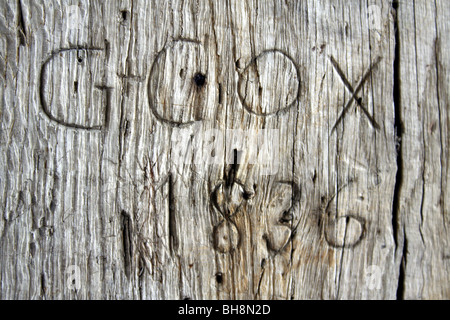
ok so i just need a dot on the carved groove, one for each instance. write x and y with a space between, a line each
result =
253 64
281 228
127 242
350 237
172 110
42 91
354 92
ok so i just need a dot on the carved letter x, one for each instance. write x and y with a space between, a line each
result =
354 92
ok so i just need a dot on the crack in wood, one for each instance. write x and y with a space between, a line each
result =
21 24
127 242
173 237
398 126
43 286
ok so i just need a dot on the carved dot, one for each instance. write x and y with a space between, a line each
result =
269 84
219 277
247 195
80 59
171 98
199 79
124 14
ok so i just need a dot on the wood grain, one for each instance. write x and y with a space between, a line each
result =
224 150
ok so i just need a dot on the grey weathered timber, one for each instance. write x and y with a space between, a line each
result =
423 204
124 173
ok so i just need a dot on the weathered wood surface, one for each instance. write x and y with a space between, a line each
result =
107 194
423 214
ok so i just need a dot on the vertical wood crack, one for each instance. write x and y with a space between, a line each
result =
396 223
127 242
21 25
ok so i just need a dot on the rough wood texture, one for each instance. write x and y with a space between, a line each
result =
423 205
123 174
